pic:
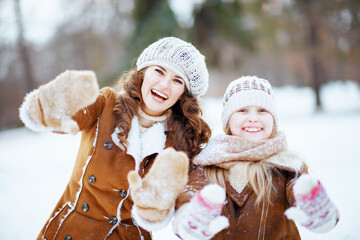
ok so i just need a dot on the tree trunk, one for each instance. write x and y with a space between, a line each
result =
23 49
316 67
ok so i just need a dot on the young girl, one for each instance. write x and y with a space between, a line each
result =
155 106
266 185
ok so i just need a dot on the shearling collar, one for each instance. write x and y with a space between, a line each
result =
285 160
143 143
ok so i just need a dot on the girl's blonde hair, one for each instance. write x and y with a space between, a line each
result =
259 174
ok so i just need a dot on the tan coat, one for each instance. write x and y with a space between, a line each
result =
96 203
246 220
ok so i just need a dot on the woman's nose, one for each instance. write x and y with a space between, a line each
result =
165 81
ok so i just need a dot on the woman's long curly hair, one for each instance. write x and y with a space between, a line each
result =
186 129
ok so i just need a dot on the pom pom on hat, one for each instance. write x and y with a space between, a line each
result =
248 91
180 57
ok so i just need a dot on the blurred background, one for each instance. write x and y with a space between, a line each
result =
309 50
290 42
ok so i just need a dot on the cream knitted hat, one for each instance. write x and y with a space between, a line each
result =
248 91
182 58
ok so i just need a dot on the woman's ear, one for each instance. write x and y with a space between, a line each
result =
182 97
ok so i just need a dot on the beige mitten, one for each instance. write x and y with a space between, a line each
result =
53 104
154 195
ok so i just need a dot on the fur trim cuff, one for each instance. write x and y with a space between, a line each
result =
152 226
26 118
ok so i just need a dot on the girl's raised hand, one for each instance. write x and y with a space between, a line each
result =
200 218
314 210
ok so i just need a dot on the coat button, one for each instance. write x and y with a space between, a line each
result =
85 207
122 193
146 163
112 220
108 145
92 178
67 237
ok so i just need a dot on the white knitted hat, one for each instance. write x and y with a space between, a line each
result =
248 91
182 58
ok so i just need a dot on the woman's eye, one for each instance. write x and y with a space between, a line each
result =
159 71
242 110
262 110
178 81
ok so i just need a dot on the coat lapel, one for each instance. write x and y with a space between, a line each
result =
151 141
238 187
238 198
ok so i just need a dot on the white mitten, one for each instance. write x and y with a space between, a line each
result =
200 218
54 104
314 210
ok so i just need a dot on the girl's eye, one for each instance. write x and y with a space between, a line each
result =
262 110
242 110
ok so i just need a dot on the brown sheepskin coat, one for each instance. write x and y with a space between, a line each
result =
96 203
248 221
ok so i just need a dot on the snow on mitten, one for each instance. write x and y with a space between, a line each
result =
154 196
53 104
200 218
314 210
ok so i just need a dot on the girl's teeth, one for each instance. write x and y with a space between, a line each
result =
252 129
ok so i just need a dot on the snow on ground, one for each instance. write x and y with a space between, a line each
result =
35 168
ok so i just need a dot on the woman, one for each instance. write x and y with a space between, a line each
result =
155 106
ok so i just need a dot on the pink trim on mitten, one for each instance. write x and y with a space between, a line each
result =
205 204
312 194
314 210
200 218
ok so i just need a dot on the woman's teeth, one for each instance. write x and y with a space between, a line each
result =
159 94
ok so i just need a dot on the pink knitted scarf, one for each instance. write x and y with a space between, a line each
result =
225 150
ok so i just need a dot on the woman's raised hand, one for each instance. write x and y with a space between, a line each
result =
53 104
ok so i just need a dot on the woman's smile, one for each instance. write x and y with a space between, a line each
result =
160 90
157 95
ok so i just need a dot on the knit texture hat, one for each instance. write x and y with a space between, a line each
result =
248 91
182 58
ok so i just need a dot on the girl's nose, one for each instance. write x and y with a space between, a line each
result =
252 117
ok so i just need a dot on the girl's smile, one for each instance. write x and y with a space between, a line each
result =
252 123
252 129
